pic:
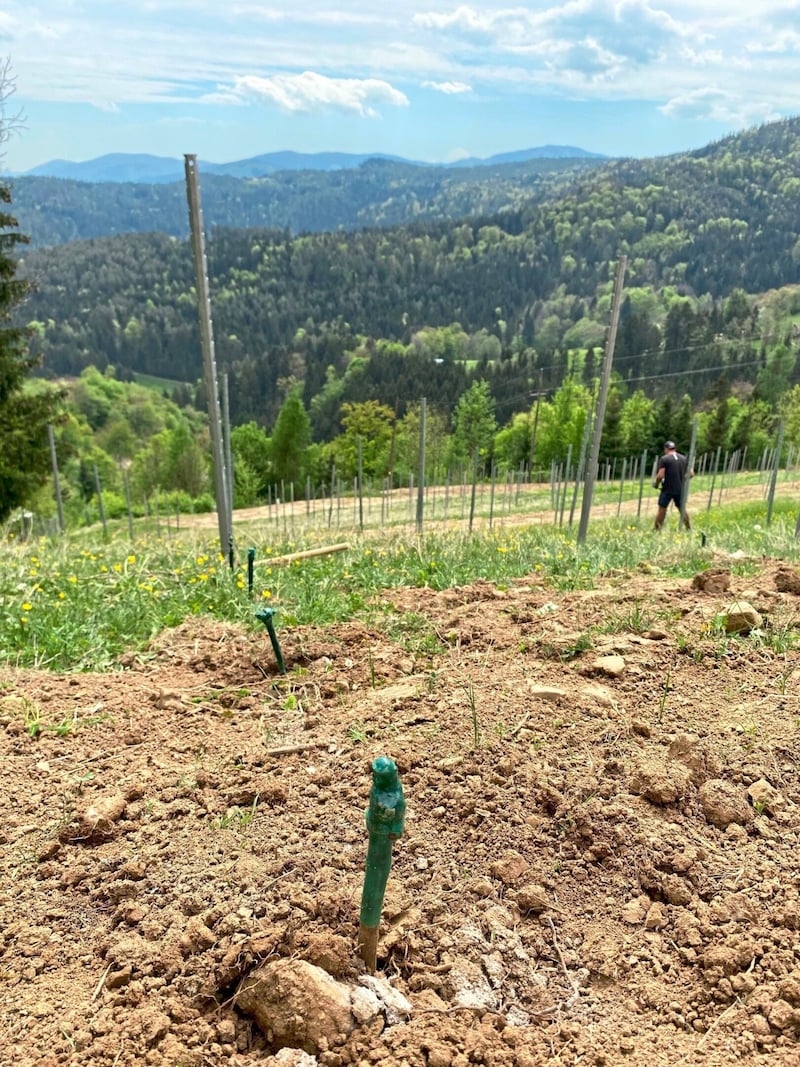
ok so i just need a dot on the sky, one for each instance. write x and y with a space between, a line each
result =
429 80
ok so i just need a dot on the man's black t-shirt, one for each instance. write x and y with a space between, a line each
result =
674 465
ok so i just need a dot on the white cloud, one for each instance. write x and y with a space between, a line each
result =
448 88
781 44
720 106
456 154
462 18
311 92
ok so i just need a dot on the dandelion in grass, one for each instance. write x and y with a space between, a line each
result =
27 607
118 568
266 594
131 560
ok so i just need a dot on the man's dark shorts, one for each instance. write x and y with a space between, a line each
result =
664 499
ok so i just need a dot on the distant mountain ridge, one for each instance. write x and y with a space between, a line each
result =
149 169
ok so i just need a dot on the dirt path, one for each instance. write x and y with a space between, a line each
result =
398 510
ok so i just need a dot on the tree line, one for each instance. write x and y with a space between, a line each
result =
362 325
525 293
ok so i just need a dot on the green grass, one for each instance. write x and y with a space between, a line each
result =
71 605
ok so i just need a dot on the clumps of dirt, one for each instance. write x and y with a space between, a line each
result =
713 581
600 862
787 581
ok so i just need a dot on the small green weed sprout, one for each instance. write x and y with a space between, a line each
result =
236 818
359 732
632 619
32 717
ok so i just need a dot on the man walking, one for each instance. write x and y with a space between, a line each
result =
670 478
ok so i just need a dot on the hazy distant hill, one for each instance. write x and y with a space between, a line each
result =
548 151
142 168
147 169
378 192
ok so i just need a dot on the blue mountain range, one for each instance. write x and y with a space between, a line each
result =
148 169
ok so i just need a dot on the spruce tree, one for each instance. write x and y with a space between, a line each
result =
24 412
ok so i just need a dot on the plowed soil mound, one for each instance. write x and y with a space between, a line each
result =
600 862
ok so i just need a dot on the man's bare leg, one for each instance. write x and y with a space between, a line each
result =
661 514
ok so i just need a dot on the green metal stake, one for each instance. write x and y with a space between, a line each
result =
265 615
251 556
385 823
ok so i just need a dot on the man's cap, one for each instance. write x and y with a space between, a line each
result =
669 444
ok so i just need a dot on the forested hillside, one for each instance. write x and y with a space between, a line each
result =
518 298
379 192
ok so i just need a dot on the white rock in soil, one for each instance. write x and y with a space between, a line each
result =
741 617
551 693
292 1057
613 666
471 987
395 1007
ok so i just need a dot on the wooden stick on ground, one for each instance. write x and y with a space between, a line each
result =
287 750
309 553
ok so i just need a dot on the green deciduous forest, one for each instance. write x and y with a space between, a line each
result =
378 193
331 337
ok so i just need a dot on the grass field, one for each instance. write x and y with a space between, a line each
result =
77 604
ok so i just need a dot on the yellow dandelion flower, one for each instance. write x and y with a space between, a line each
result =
118 567
131 559
266 594
62 595
73 579
27 607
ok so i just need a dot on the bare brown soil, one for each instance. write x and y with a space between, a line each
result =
600 863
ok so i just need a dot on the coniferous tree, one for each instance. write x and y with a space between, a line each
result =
24 413
290 438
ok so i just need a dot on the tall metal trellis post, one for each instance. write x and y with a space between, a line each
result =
591 470
221 495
